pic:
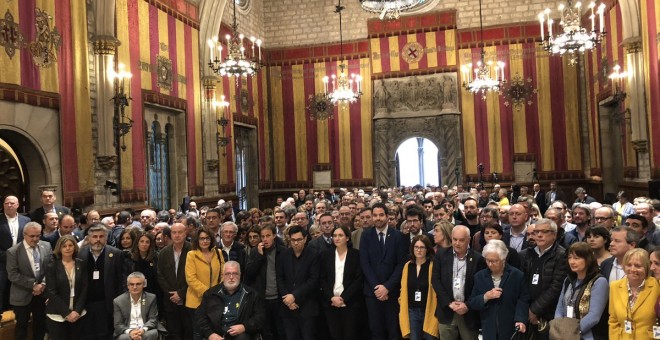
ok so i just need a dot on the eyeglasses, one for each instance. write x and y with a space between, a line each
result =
542 231
297 240
204 239
493 261
230 274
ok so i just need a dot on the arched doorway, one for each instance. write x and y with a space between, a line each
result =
417 159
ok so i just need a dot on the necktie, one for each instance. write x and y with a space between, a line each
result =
37 262
381 239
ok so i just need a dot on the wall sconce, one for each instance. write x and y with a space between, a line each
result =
618 78
121 123
223 121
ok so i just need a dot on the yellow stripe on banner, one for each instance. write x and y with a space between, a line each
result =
345 169
266 131
376 65
494 124
571 105
181 57
163 38
519 113
545 111
469 125
300 122
197 97
646 48
395 62
11 68
412 38
322 141
431 49
48 77
278 123
450 47
365 118
124 58
592 123
145 43
81 95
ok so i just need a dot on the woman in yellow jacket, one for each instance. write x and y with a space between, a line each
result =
633 298
417 301
204 265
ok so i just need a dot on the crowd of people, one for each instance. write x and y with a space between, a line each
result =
386 263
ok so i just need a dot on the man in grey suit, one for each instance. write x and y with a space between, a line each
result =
26 265
136 311
11 232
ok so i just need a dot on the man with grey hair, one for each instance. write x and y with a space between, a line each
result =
11 233
605 217
26 266
653 234
231 309
453 279
136 311
623 239
106 268
582 197
231 250
545 269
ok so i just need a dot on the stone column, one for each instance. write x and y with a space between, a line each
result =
104 60
583 116
636 104
209 139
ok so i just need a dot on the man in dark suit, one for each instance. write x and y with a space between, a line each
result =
554 194
453 279
382 256
48 199
539 198
297 283
136 311
11 232
66 227
324 242
231 250
172 281
107 268
623 240
26 267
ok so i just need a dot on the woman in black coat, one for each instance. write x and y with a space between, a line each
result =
66 273
341 286
500 295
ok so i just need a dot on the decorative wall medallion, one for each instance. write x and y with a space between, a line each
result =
245 101
47 41
320 107
163 47
10 36
164 72
412 52
518 92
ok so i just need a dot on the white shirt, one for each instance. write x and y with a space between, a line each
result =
338 287
136 321
13 228
617 272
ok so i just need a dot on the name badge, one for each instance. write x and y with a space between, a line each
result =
418 296
569 312
96 275
457 282
628 327
656 332
535 279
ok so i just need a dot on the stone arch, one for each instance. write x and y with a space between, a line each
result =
34 134
210 18
630 18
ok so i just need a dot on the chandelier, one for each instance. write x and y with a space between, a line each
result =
237 62
488 75
342 88
618 79
391 9
572 38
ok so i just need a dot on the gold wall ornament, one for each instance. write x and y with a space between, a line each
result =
10 35
46 43
106 45
412 52
164 71
518 92
320 107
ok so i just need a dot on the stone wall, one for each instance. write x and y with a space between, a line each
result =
296 22
250 23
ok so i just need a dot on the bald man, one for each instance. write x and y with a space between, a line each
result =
11 232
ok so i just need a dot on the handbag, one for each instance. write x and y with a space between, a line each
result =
565 329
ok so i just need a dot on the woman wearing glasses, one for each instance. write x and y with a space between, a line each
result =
500 295
418 302
204 265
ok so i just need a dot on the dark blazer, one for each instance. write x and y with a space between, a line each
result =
506 238
559 196
115 271
53 237
255 269
236 253
498 316
6 239
58 291
382 265
170 281
442 281
300 277
353 278
540 201
122 312
37 215
319 246
20 273
606 267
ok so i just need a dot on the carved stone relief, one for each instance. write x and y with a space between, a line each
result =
416 96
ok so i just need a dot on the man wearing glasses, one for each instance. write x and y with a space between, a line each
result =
231 309
545 269
136 311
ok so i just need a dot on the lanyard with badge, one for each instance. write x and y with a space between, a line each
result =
656 329
458 278
628 326
570 308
